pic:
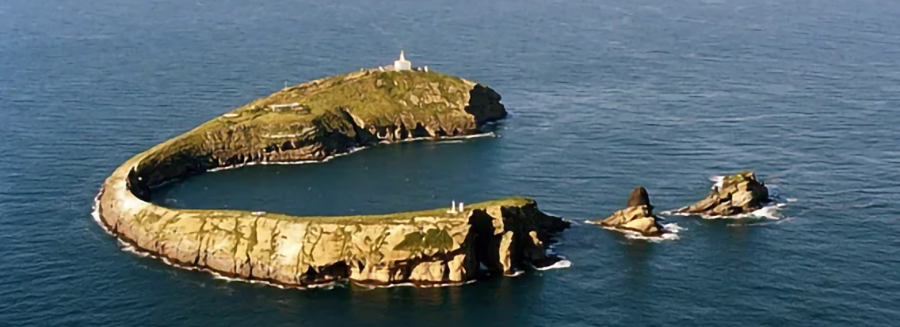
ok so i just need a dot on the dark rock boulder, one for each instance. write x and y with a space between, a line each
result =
638 216
735 194
639 197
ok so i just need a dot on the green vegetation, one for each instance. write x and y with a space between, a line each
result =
740 177
373 97
373 219
368 94
433 239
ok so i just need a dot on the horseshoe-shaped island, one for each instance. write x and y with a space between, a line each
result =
312 122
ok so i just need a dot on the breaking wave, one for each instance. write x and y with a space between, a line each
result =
670 232
562 263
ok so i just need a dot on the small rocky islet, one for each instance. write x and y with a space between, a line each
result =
637 216
316 120
732 195
737 194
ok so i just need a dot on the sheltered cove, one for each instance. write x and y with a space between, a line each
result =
312 122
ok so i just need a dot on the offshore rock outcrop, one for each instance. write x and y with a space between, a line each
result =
311 122
733 195
637 216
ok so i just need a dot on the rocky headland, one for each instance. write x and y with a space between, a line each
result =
740 193
637 216
312 122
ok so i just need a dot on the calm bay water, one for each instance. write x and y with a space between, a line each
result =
605 95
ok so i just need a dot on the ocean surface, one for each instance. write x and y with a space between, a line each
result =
604 95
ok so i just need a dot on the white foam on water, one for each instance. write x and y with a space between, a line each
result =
95 212
771 210
442 139
516 273
286 163
673 228
326 286
768 212
670 233
562 263
446 139
130 248
450 142
718 180
573 222
473 136
409 284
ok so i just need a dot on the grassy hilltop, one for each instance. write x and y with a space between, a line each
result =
332 115
370 94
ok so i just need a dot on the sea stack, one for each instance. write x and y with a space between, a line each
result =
638 216
732 195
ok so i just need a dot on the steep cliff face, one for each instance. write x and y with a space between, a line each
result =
313 121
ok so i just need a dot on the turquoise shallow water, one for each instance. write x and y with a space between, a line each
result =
604 96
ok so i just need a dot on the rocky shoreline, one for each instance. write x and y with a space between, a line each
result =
329 117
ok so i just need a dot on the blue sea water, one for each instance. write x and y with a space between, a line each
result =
605 95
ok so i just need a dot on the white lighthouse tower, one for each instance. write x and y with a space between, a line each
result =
402 64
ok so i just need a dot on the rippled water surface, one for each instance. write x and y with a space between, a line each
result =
605 95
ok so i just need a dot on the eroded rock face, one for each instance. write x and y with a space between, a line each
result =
735 194
334 115
638 216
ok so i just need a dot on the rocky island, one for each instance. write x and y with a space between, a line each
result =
312 122
637 216
740 193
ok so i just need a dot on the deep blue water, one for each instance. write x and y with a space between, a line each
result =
605 95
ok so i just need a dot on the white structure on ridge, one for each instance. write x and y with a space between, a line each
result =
453 207
461 207
402 64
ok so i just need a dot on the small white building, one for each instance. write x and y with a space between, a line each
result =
402 64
